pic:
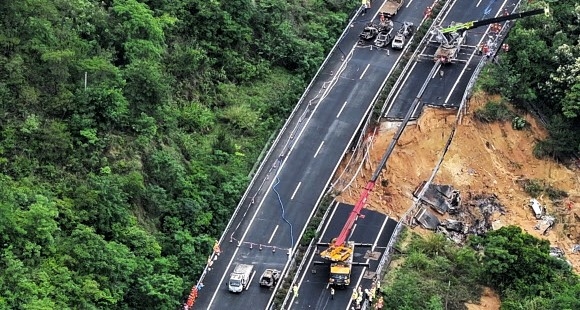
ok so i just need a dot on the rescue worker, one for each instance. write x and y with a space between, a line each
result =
354 296
331 293
427 12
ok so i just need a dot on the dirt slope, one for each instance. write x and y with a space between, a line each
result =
485 158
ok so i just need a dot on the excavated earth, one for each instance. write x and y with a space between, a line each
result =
487 158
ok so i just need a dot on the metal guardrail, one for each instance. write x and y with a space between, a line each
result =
415 53
308 251
367 122
409 214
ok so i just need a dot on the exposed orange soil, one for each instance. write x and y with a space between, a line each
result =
482 158
489 301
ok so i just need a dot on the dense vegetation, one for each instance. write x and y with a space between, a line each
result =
541 73
436 274
127 131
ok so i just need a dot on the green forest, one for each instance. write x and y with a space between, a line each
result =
436 274
540 73
128 130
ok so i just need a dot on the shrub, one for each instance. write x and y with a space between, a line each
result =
519 123
533 187
493 112
555 193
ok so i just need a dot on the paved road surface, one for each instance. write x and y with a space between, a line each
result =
447 87
375 228
298 170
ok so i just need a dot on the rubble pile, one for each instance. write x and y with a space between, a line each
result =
545 224
480 211
474 215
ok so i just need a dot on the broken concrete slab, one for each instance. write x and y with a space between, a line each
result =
369 274
427 219
457 237
439 197
454 225
372 255
497 224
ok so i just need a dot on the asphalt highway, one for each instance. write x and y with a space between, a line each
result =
299 166
447 87
375 229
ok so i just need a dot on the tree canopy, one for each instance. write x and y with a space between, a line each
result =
127 132
437 274
541 73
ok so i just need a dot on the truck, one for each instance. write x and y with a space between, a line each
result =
269 277
341 269
390 8
240 278
404 32
450 44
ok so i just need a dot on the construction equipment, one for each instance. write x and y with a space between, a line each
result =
404 32
391 7
340 270
340 251
453 37
241 277
270 277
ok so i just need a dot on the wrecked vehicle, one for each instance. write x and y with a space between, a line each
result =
270 277
370 32
537 208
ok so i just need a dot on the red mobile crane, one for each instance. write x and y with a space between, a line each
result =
340 251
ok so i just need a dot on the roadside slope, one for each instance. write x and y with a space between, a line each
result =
488 158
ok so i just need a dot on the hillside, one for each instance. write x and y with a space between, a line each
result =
488 158
484 158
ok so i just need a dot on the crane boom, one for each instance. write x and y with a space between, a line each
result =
483 22
453 37
338 250
354 214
